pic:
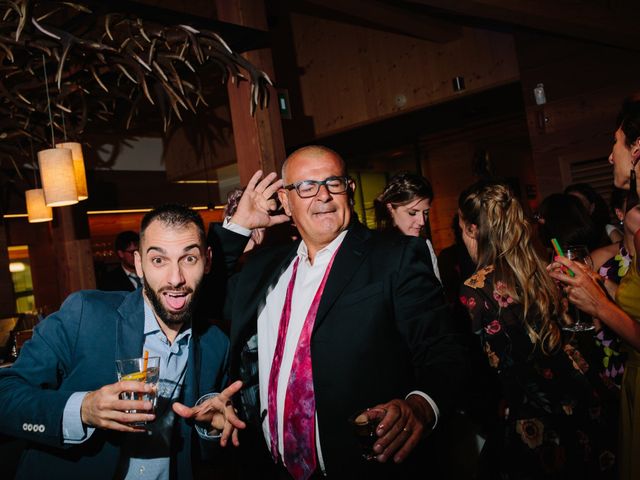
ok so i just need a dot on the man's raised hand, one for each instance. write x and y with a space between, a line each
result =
218 412
257 204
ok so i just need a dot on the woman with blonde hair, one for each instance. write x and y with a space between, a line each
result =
551 423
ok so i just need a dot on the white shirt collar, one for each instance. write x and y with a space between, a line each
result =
303 251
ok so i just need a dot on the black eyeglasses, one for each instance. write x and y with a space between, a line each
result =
310 188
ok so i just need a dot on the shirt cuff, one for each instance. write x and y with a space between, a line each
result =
209 435
436 411
73 430
234 227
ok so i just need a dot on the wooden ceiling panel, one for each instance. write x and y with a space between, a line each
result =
391 18
609 23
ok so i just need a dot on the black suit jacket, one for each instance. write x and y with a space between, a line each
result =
116 280
382 330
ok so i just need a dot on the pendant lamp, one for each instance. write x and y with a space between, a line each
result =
78 167
58 177
37 210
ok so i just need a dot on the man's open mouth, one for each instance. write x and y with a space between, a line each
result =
176 300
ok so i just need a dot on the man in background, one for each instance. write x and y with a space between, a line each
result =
123 277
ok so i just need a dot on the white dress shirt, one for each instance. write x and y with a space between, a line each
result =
308 280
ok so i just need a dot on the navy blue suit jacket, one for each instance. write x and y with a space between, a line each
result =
74 350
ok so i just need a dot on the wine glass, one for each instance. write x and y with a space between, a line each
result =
579 253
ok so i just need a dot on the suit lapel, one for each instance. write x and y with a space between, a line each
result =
260 285
351 253
130 330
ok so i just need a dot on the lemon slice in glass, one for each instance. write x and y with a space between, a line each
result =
133 377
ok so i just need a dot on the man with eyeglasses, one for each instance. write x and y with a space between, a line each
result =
345 320
123 277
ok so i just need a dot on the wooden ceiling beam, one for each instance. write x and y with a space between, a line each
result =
390 18
241 39
587 21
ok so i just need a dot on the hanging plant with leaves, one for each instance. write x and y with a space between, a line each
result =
105 69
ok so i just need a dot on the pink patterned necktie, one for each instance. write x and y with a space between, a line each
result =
300 405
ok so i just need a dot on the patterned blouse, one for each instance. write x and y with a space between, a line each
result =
552 422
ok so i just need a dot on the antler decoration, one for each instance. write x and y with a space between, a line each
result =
106 66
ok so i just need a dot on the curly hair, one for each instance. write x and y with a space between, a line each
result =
504 241
401 190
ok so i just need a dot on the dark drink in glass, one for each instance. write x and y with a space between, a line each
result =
364 425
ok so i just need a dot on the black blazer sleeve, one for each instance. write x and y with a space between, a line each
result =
425 322
226 247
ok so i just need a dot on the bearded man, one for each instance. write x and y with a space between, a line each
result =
62 394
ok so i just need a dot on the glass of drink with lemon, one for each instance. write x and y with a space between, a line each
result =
141 369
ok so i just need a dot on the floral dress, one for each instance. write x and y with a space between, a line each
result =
551 421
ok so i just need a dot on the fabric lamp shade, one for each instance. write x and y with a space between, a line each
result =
37 210
78 167
58 177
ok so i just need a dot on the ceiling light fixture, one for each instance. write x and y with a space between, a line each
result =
37 210
78 168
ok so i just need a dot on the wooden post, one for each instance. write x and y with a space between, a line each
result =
7 296
72 250
259 141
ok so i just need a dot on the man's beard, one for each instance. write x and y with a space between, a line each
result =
170 318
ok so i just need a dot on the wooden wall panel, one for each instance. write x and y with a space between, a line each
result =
441 161
351 75
448 161
213 149
584 85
